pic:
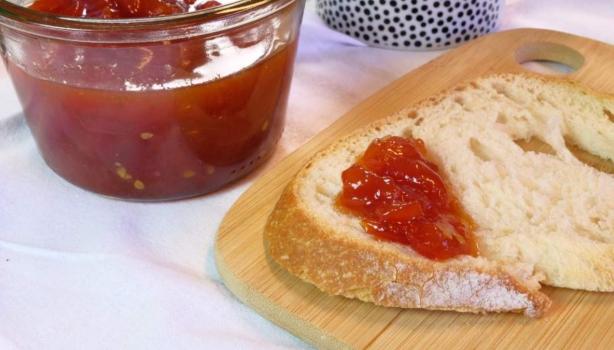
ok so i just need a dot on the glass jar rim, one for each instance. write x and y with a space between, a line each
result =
25 15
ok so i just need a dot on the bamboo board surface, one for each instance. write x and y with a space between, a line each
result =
576 319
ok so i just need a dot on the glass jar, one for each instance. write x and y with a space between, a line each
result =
154 108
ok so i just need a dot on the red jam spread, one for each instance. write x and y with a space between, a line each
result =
133 122
401 197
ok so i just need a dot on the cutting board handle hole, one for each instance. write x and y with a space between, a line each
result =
549 58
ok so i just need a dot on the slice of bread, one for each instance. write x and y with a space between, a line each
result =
530 159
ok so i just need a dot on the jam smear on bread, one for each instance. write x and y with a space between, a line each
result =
400 196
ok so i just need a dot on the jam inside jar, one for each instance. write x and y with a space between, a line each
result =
158 119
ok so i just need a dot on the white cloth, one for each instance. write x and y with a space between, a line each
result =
79 271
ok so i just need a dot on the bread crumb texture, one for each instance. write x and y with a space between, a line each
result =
510 148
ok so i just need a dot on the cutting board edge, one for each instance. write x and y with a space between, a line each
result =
276 314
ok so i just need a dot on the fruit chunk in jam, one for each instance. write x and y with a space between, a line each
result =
401 197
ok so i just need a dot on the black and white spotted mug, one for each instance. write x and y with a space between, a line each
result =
411 24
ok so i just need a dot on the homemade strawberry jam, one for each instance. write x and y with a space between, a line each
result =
400 196
109 9
159 120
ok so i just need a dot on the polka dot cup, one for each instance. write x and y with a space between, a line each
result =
411 24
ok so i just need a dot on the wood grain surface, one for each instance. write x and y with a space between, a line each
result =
577 320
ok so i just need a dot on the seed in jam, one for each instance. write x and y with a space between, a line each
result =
400 196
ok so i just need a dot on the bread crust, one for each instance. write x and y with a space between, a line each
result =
359 269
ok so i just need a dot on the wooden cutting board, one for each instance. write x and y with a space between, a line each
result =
576 320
